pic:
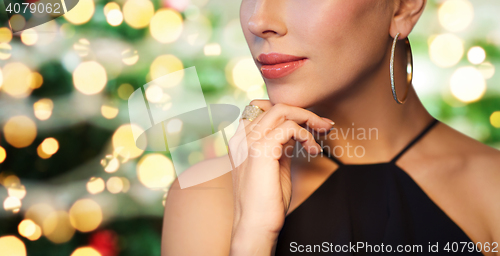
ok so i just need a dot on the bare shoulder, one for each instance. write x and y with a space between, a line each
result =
476 167
198 219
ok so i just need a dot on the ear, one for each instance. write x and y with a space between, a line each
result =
406 15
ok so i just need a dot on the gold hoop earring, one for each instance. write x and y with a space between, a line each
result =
409 69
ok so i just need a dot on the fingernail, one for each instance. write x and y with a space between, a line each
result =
329 121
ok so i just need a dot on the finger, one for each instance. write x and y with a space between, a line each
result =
291 130
279 113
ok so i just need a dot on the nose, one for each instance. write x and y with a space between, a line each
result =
267 19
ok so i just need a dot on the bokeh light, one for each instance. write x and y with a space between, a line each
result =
138 13
110 6
467 84
85 215
18 191
109 112
85 251
89 77
57 227
114 17
476 55
12 246
5 35
495 119
446 50
26 228
95 185
36 80
17 22
12 203
81 13
17 79
29 37
43 108
123 141
5 51
487 69
166 64
20 131
166 25
212 49
3 154
155 171
456 15
130 57
50 146
245 75
38 213
125 90
114 185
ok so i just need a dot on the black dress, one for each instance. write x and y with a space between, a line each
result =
369 209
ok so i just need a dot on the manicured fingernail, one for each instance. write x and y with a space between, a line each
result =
329 121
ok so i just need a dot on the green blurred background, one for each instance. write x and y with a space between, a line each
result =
73 182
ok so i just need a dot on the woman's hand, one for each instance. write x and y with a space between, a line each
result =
262 185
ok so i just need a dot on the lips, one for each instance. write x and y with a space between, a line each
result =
276 65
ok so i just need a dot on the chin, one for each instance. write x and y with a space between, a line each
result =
303 98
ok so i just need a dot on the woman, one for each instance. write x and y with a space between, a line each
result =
415 183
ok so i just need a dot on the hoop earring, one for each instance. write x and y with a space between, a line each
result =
409 69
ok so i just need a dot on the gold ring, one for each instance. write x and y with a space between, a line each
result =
251 112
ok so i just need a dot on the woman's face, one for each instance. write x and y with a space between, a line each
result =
344 42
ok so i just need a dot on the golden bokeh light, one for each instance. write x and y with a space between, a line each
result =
476 55
3 154
12 203
123 141
245 75
89 77
20 131
95 185
50 146
17 80
166 64
212 49
29 37
154 93
495 119
125 90
110 6
114 185
57 227
11 181
467 84
487 69
36 80
174 125
126 184
109 112
37 234
112 165
85 251
85 215
38 213
26 228
5 35
43 108
166 25
81 13
17 22
41 153
130 57
446 50
155 171
456 15
138 13
5 51
82 47
12 246
18 191
114 17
